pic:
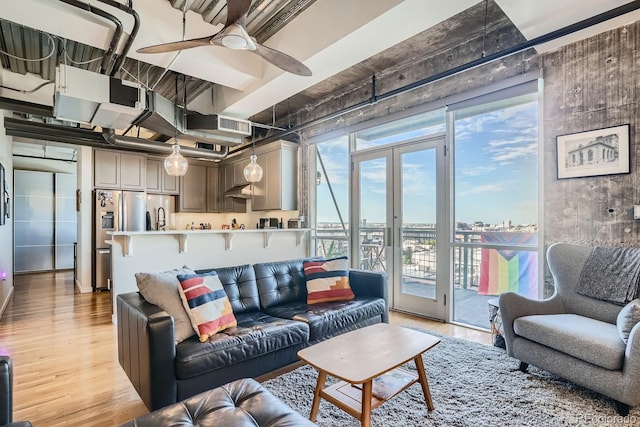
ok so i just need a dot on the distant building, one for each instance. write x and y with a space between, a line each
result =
602 150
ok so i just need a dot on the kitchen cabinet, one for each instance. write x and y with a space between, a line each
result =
238 171
228 179
199 190
159 181
213 189
278 188
118 170
193 190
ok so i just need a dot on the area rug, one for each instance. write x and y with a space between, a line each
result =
471 385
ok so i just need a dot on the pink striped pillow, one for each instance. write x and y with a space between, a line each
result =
206 303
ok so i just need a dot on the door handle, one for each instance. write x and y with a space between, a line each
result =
388 237
122 210
104 251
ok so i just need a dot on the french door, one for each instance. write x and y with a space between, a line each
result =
399 222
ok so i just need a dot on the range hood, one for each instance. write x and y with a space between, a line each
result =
242 191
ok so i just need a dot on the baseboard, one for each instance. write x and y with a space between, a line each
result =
6 302
81 289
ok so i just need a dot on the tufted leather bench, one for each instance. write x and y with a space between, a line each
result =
239 403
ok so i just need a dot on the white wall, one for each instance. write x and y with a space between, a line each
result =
6 231
84 250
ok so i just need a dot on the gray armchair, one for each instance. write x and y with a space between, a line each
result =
574 336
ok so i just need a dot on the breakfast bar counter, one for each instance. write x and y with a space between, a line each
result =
153 251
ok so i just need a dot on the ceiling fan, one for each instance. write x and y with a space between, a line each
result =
234 36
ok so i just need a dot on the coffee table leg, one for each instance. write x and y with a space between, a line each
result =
422 376
322 376
365 417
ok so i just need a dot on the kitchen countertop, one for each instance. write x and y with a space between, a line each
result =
215 231
183 236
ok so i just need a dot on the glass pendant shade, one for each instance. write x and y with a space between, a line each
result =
176 164
253 171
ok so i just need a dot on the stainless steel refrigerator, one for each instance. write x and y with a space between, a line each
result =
114 210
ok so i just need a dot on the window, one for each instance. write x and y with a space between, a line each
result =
402 130
481 189
495 232
332 197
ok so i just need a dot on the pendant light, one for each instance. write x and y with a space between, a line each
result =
253 171
176 164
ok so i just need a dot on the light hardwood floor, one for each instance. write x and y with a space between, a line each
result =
64 350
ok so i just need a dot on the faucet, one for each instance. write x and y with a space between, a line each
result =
162 219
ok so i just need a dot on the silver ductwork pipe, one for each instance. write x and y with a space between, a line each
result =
140 144
108 139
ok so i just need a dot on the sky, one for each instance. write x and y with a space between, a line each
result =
495 173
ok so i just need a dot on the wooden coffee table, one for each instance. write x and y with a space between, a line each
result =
367 361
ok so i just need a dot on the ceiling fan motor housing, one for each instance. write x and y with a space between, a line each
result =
235 37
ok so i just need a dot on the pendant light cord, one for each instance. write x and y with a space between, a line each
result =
484 34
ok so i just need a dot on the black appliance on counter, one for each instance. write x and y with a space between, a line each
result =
268 223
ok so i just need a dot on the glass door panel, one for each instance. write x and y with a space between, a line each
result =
373 212
420 290
418 223
397 194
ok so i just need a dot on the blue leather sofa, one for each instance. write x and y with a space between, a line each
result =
274 323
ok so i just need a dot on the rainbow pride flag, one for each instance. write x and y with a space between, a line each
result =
509 270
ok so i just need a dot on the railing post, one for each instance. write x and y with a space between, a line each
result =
464 265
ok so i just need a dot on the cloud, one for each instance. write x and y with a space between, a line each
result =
511 141
511 153
467 127
374 175
335 157
476 171
478 189
338 173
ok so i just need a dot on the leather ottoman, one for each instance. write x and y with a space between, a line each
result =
240 403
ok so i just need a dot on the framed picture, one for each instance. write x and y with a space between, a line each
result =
593 153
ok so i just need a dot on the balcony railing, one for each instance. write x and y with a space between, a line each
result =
418 252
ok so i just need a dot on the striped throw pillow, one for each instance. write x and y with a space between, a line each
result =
206 303
327 280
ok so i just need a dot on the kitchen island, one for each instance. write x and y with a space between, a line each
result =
152 251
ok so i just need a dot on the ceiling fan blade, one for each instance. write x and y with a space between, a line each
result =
173 46
282 60
236 10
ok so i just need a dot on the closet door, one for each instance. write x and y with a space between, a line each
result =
45 221
33 221
66 220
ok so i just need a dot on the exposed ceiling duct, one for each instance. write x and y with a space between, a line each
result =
107 139
97 99
162 116
160 147
101 100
